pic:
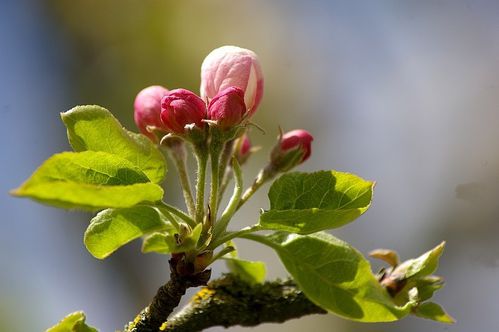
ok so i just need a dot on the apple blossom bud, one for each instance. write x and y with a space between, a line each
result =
147 108
245 146
293 148
232 66
227 108
300 139
243 149
180 108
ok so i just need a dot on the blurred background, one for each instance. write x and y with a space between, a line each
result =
402 92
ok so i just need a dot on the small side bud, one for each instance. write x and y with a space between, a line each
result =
243 149
293 148
147 110
227 108
181 108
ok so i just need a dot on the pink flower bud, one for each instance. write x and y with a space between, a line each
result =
232 66
180 108
244 149
293 148
245 146
147 108
227 108
298 139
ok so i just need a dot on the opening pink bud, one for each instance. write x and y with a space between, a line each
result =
298 138
232 66
227 107
147 109
180 108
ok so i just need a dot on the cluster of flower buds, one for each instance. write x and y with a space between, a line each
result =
216 122
231 90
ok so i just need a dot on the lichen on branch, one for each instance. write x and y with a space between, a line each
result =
230 301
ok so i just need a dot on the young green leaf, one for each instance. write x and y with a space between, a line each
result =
334 275
427 286
156 242
112 228
433 311
186 242
306 203
250 271
167 243
389 256
422 266
89 180
94 128
74 322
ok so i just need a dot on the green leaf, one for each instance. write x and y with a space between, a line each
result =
250 271
89 180
74 322
157 243
389 256
167 243
427 286
423 288
94 128
113 228
422 266
433 311
306 203
335 276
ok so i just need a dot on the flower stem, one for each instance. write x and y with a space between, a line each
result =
222 253
223 169
221 225
171 219
173 210
177 153
202 159
263 176
261 239
226 177
215 159
231 235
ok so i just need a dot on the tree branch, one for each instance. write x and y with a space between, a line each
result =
166 299
230 301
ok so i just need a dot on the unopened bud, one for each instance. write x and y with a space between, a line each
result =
293 148
232 66
243 149
227 108
147 110
181 108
